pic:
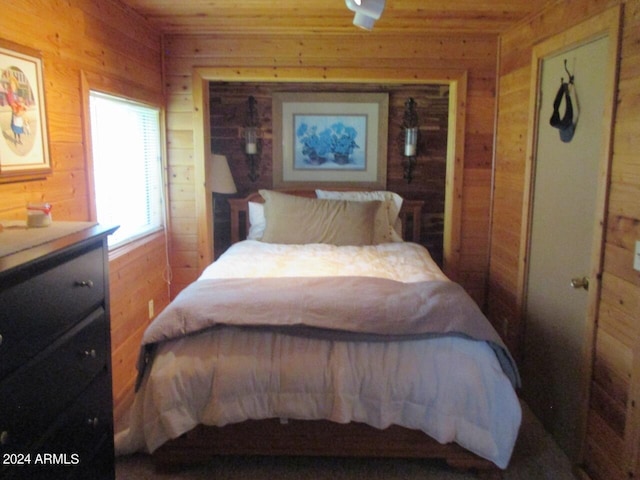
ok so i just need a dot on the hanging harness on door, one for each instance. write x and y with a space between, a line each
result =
566 124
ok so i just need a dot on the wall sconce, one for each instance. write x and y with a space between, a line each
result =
410 125
366 12
251 140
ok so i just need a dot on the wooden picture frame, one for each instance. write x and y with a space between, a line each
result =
24 142
330 139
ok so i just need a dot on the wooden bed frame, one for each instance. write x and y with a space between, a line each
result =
314 437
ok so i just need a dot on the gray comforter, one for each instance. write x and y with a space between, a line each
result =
343 308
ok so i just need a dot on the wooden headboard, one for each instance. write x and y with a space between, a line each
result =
410 215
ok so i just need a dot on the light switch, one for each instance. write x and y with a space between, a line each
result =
636 257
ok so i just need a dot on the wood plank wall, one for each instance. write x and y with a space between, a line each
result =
329 57
613 430
115 45
228 112
112 42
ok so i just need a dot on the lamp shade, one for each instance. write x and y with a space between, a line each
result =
220 178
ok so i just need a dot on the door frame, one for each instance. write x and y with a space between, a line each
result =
608 23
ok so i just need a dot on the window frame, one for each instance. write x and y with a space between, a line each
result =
109 86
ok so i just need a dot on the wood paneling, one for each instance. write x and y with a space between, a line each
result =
113 47
353 58
613 423
265 18
117 45
136 276
228 111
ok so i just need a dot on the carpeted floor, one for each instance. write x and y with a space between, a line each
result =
536 457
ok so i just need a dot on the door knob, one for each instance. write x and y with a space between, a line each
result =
580 282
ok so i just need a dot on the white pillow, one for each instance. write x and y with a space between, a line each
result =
388 226
257 222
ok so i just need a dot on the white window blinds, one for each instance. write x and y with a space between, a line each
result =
125 139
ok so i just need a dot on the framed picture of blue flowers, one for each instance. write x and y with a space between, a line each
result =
324 139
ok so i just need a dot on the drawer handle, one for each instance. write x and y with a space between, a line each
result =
90 353
84 283
4 438
93 422
1 339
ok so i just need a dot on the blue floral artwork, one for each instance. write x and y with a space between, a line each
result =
330 142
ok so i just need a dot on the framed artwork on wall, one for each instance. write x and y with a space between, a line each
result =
24 143
330 139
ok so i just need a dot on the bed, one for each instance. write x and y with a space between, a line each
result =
267 353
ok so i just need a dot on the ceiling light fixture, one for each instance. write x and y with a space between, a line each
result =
366 12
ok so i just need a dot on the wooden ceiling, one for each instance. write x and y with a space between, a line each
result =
331 16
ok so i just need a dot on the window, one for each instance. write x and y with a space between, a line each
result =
125 139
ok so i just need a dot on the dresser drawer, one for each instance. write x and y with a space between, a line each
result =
82 427
35 312
33 397
86 430
80 441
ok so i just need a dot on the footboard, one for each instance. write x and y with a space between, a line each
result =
313 438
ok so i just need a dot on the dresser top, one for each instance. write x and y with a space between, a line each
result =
16 236
21 245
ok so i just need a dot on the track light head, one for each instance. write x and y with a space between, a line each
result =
366 12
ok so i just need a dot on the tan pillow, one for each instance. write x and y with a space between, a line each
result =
388 225
298 220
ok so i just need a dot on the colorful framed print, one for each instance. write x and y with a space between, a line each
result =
24 143
323 139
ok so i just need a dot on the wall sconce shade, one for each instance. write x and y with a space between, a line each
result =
220 178
251 139
410 141
366 12
410 125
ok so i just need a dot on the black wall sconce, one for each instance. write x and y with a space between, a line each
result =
410 125
251 140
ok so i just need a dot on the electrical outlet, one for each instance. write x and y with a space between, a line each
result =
151 308
636 257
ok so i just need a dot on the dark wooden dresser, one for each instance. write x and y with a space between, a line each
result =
56 412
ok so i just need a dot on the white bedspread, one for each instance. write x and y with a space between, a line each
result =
451 388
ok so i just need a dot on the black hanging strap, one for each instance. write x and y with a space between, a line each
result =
567 120
565 125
